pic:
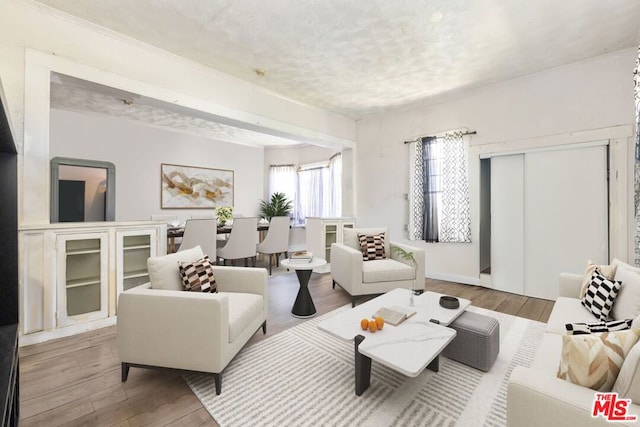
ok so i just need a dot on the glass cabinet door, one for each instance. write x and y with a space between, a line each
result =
82 277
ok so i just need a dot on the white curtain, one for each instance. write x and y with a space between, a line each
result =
335 185
313 200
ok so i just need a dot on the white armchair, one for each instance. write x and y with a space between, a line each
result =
358 277
162 326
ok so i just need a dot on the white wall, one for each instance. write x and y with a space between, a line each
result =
138 151
589 95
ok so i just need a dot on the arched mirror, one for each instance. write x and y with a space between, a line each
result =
82 190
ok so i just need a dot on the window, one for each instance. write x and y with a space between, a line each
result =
316 190
439 202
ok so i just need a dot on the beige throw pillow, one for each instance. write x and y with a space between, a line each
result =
594 361
608 271
628 383
163 270
627 305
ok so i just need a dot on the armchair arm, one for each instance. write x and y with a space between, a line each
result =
174 329
346 266
418 255
569 285
543 400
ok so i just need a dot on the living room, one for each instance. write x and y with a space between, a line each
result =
575 100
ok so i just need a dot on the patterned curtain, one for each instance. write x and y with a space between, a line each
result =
455 222
432 161
416 191
439 190
636 80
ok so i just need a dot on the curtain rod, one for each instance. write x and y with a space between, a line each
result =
435 136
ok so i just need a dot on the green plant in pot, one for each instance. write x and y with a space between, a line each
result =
278 205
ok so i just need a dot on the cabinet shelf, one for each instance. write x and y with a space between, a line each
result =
83 252
77 283
137 247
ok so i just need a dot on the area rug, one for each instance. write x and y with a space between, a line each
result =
304 377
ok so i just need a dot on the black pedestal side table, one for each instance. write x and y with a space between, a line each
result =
303 307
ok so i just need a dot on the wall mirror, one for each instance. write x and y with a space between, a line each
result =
82 190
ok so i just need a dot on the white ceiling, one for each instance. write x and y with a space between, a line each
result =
356 57
69 93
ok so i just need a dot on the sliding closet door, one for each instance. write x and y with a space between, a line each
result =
566 215
507 223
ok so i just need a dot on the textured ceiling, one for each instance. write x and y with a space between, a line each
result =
361 56
69 93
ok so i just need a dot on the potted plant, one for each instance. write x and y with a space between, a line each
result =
278 205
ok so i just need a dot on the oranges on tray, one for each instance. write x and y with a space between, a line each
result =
372 324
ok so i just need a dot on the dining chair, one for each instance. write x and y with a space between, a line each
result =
200 232
276 241
241 242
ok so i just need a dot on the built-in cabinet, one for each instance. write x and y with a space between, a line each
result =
82 279
71 274
322 232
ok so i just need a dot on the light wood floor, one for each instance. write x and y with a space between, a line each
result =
76 380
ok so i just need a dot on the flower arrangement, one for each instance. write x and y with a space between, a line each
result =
224 214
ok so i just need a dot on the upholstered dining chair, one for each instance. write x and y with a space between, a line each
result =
200 232
276 241
241 243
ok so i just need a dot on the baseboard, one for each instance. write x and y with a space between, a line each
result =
455 278
38 337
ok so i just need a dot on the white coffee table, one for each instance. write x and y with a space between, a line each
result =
410 347
303 307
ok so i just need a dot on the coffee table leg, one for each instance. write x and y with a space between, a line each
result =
303 307
435 364
363 368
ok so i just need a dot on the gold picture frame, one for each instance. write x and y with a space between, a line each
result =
193 187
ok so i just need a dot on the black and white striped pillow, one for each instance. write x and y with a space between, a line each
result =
601 294
197 276
595 327
372 246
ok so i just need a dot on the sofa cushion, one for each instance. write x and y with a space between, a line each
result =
243 309
163 270
594 361
567 310
627 303
600 295
607 271
386 270
372 246
597 327
197 276
350 237
629 377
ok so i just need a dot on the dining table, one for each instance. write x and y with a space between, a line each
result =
175 232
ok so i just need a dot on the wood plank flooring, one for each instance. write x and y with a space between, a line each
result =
75 381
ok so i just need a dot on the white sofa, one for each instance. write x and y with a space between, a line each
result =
359 277
162 326
535 396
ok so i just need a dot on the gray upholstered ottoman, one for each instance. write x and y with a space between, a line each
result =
477 341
